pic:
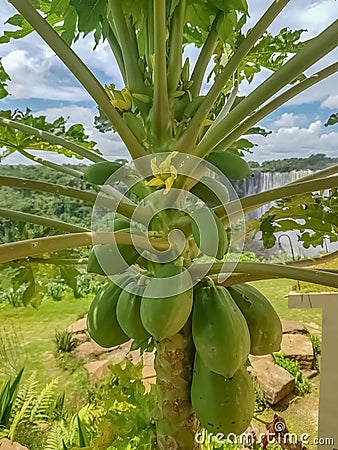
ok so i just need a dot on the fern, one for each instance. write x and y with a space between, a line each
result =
44 402
55 438
28 390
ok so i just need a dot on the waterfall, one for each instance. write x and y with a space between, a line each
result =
262 181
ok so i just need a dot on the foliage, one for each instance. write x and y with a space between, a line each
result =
12 140
4 77
128 419
64 341
261 402
8 396
31 406
332 120
13 353
317 349
314 215
55 289
317 161
302 384
311 287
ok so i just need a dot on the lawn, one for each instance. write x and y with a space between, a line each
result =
34 337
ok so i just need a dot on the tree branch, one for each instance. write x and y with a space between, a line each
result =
275 270
188 139
125 209
81 72
44 221
312 51
34 247
273 105
160 110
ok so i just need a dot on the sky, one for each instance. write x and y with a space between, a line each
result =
40 82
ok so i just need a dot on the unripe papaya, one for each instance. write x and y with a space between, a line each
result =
219 330
222 405
128 312
110 259
231 165
209 233
211 192
102 323
99 172
263 322
162 314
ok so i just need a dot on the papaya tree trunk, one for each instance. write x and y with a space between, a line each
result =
176 425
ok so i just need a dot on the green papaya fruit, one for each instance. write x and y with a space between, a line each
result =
110 259
209 233
231 165
128 312
219 330
263 322
164 313
99 172
222 405
210 191
102 323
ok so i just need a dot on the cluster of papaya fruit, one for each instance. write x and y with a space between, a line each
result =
228 324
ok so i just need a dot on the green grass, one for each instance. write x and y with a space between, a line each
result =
277 291
37 329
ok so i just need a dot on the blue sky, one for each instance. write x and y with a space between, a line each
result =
40 82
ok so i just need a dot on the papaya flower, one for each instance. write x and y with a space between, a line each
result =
121 100
164 173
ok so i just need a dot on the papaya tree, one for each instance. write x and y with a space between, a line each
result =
167 228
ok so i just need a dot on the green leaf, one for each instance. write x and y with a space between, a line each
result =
12 139
4 77
332 120
70 274
92 14
313 215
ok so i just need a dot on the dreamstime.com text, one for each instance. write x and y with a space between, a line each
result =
246 439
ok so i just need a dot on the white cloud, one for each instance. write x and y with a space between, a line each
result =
296 142
37 75
330 102
289 120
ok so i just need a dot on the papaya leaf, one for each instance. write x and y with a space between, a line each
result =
332 120
54 18
12 139
70 274
313 215
4 77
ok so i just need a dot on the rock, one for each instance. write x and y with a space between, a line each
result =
81 337
89 350
275 381
149 377
293 327
97 369
314 326
79 326
299 348
6 444
307 373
